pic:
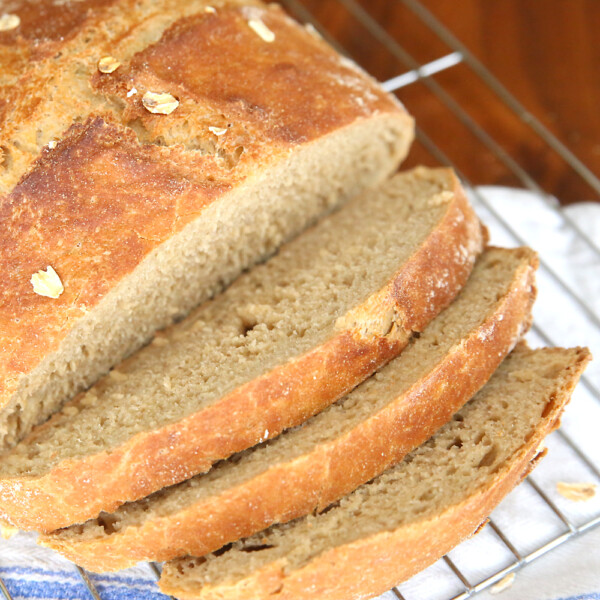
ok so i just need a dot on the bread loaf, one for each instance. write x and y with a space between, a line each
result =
279 345
351 442
409 516
150 151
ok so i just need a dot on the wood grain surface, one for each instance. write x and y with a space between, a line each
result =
544 51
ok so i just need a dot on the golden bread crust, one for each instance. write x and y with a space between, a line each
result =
332 469
122 181
372 565
78 489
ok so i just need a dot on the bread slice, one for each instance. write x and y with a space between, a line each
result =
283 342
412 514
334 452
144 215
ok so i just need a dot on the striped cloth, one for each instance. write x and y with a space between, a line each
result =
30 571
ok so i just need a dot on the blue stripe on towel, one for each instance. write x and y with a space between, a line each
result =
24 589
113 577
37 571
33 583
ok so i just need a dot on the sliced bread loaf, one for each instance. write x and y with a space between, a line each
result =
412 514
142 214
349 443
283 342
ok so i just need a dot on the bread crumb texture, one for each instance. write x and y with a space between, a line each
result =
410 515
347 293
110 173
381 420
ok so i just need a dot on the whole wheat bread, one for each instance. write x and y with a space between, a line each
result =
283 342
410 515
349 443
143 215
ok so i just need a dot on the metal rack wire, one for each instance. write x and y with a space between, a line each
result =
459 54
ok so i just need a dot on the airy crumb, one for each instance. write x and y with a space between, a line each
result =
261 30
47 283
218 130
503 584
108 64
9 22
577 492
210 9
159 103
52 144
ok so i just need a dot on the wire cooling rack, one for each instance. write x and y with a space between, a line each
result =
557 525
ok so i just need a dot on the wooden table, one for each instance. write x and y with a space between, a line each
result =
545 52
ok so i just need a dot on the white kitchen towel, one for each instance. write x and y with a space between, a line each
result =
571 571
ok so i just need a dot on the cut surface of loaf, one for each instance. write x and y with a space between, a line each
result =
349 443
405 519
287 339
143 215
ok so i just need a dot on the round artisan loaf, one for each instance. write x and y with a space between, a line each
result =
349 443
408 517
150 150
283 342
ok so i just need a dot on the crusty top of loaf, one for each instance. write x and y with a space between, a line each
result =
120 180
